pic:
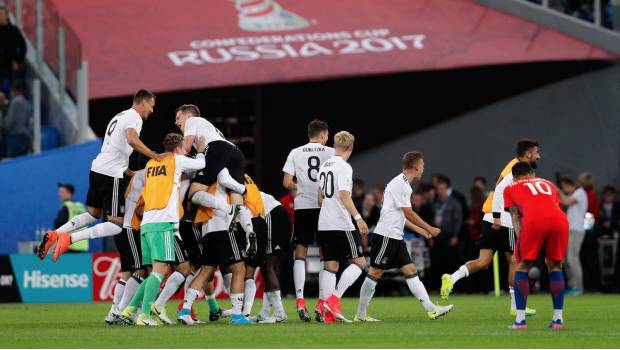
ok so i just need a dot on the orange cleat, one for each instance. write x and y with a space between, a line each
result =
48 241
62 245
332 304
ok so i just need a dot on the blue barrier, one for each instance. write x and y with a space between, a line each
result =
29 190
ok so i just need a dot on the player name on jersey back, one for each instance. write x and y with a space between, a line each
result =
304 162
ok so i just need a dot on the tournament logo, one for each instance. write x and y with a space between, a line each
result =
267 16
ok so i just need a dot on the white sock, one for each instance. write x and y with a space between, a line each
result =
348 277
249 293
299 277
321 272
275 300
172 285
558 315
460 273
77 222
189 279
104 229
224 179
513 303
419 291
328 284
366 293
264 310
520 316
208 200
227 281
130 289
245 219
237 303
118 295
190 296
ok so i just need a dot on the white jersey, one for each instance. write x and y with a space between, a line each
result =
198 126
269 202
133 194
498 203
171 212
219 220
304 162
115 150
397 196
335 175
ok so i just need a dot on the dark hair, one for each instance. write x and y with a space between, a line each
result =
609 188
172 141
378 187
359 182
142 95
481 179
524 146
189 108
18 86
411 158
443 179
315 127
521 169
567 180
69 187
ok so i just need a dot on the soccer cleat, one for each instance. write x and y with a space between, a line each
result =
557 324
259 318
302 311
528 312
518 325
160 315
332 304
267 16
146 320
240 320
62 245
251 247
365 319
193 313
214 316
48 241
231 217
446 286
184 317
319 312
127 317
439 311
280 318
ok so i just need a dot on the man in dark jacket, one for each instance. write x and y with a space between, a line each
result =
12 50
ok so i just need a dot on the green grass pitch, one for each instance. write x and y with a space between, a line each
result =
591 321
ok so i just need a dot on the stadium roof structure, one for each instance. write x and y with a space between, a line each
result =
190 44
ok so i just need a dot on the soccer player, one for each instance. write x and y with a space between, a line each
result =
337 235
540 223
388 249
278 239
162 207
106 185
225 165
221 247
303 163
497 231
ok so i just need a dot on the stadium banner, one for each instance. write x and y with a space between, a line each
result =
9 293
106 271
68 280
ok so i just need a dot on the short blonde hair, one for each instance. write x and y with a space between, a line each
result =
343 140
586 180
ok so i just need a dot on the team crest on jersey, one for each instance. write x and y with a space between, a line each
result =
384 261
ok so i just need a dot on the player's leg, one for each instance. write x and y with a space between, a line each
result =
305 230
119 289
128 312
521 288
174 282
249 290
278 239
351 248
205 272
555 252
416 287
327 277
274 296
366 293
215 311
488 244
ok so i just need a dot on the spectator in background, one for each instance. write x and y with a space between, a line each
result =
18 123
357 193
474 220
449 218
608 220
12 50
68 210
576 201
429 193
480 182
587 183
370 212
377 192
422 206
2 116
288 202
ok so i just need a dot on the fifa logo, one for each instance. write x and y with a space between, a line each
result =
267 16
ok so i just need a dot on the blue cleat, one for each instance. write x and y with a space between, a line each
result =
239 319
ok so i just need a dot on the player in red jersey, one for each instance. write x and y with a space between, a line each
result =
540 223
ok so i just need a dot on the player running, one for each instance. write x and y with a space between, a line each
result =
106 185
497 231
303 164
388 249
540 223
